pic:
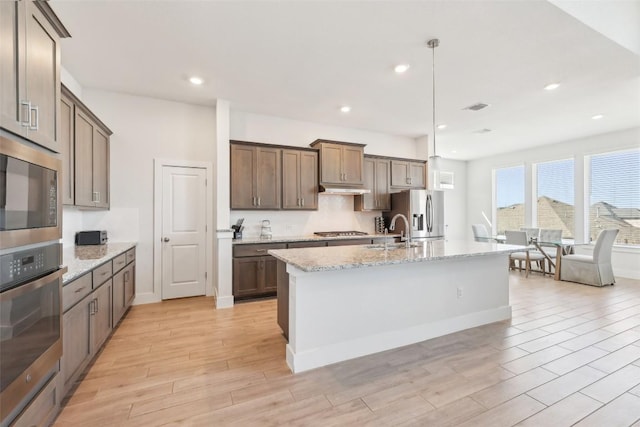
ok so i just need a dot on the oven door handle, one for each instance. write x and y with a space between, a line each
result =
32 285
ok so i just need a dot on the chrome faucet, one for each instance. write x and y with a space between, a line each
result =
407 240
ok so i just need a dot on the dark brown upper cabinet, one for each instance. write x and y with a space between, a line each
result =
299 179
30 71
255 176
376 178
408 173
341 163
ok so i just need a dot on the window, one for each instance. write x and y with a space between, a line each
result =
615 195
509 198
555 207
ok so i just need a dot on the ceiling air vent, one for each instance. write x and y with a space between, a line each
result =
476 107
485 130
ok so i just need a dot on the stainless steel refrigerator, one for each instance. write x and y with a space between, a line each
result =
424 210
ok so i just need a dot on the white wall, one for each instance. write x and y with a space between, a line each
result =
455 200
334 212
281 131
143 129
479 181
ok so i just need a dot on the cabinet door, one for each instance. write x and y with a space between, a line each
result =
268 185
246 276
66 146
331 164
368 201
242 177
12 87
102 317
84 134
309 179
269 266
129 284
290 179
383 198
42 56
400 174
119 305
352 164
76 341
418 174
100 169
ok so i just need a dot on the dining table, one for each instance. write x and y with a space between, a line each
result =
563 247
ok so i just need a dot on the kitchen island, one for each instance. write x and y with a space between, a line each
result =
345 302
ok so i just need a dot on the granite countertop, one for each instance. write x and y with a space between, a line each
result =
306 238
80 259
346 257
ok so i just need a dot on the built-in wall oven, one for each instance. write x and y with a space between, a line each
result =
30 273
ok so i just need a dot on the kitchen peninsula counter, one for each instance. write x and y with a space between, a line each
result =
82 259
340 303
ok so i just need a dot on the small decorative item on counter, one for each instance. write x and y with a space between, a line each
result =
237 229
380 226
265 231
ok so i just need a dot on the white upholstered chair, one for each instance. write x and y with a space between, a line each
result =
480 233
520 238
593 270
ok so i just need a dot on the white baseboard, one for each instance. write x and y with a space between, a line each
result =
146 298
224 302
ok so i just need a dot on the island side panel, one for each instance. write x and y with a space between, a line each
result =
340 315
283 297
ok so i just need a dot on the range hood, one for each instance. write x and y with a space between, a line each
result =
345 191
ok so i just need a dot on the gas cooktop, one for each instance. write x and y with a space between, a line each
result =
340 233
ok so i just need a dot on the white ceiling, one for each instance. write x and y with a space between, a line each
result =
303 60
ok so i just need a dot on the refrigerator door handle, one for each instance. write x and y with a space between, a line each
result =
429 213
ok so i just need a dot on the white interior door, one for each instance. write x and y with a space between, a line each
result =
183 231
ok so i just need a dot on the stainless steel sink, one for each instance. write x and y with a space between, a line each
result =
392 246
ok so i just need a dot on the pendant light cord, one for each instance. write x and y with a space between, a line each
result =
433 44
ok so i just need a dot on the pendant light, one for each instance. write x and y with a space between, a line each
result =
434 159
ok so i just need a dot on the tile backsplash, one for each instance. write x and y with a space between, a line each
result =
335 213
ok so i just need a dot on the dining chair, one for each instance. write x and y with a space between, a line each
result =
520 238
548 240
532 233
593 270
480 233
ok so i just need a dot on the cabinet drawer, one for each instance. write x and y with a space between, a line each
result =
131 255
119 262
256 250
307 244
43 408
349 242
75 291
101 274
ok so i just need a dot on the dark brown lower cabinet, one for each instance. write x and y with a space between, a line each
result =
254 276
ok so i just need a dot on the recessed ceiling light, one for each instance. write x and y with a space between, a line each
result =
442 126
552 86
196 80
597 117
345 108
454 151
401 68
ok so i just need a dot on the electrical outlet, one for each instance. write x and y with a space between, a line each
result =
459 292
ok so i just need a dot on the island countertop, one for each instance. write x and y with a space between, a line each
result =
81 259
308 238
347 257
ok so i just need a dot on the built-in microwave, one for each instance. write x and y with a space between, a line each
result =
30 200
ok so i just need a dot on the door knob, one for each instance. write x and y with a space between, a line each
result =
166 239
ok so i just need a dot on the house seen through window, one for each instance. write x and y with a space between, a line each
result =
615 195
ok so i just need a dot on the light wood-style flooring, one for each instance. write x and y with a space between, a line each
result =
570 355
